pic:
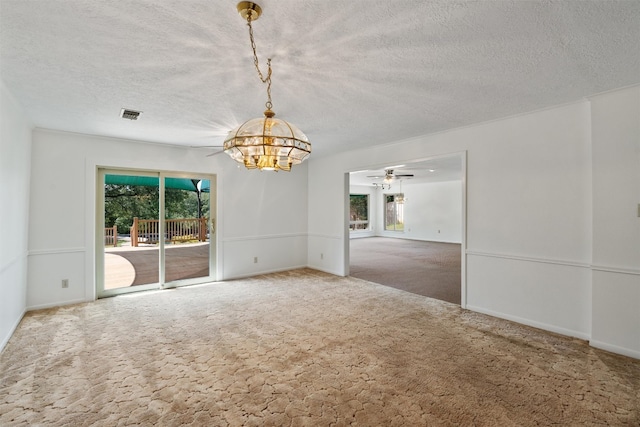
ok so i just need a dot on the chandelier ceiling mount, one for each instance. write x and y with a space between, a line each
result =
246 8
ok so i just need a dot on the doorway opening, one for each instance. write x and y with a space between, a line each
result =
416 234
154 230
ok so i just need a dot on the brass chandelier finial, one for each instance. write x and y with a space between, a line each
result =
249 10
265 143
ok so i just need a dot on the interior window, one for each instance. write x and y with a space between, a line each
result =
359 212
394 212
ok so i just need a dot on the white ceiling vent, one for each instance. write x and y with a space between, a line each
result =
129 114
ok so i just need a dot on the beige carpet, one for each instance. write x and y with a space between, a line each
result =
302 348
431 269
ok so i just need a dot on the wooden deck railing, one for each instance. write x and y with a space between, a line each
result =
185 229
111 236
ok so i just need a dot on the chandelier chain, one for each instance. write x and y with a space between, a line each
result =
265 143
266 80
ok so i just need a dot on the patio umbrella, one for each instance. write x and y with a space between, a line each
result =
153 181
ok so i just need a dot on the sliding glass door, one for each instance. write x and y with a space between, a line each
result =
186 225
154 230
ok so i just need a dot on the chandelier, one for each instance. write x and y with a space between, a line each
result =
265 143
399 198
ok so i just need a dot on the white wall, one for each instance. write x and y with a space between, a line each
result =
528 213
258 215
432 211
615 119
264 215
15 158
328 209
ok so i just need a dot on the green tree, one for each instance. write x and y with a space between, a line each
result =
359 209
124 202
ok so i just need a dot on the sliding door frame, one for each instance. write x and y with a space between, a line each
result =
210 227
100 290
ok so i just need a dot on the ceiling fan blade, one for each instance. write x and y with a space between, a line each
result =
214 154
209 147
404 175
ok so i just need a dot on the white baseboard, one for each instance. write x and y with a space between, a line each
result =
56 304
258 273
6 339
325 270
533 323
615 349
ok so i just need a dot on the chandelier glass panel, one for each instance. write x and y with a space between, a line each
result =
265 143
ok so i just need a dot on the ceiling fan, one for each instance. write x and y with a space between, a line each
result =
209 147
390 176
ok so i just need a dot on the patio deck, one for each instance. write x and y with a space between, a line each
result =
127 266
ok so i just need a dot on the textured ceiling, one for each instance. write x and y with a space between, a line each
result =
447 168
349 74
